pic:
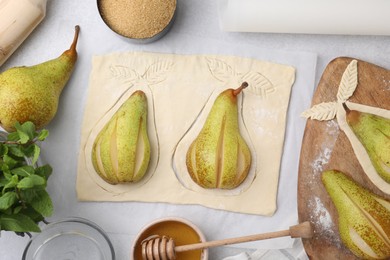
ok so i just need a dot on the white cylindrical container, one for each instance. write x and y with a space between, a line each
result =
18 18
345 17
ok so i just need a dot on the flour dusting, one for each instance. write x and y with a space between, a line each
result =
323 216
321 160
332 130
322 221
260 114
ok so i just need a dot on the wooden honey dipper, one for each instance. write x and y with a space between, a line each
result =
163 248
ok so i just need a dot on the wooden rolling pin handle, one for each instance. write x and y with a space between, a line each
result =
303 230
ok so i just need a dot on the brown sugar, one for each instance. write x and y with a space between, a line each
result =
137 18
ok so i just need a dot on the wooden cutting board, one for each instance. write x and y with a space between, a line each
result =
326 147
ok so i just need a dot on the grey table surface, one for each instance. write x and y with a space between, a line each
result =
195 18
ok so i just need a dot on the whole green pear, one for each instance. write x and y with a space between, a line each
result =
219 157
32 93
121 150
374 133
363 217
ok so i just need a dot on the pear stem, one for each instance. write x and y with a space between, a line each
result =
75 39
238 91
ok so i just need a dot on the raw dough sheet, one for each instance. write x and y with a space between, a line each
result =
181 90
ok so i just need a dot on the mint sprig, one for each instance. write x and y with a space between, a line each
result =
24 201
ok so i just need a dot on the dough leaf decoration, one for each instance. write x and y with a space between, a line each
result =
154 74
348 82
123 72
328 110
157 72
258 84
222 71
322 111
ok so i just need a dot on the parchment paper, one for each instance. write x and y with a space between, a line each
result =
123 220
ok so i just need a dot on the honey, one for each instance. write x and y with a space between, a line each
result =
181 233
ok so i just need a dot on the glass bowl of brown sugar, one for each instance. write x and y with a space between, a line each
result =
141 21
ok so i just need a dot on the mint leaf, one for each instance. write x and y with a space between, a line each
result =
27 195
29 129
18 223
6 172
10 161
44 171
42 203
26 131
31 181
3 182
28 150
12 183
13 137
16 151
32 213
7 200
43 135
23 136
23 171
3 149
17 209
37 151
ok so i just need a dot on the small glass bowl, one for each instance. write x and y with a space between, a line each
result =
73 238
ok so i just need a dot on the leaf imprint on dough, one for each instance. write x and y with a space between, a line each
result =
258 84
221 71
123 72
322 111
348 82
157 72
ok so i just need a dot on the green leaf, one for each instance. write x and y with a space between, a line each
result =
3 182
10 161
42 203
18 223
43 135
16 151
44 171
27 195
6 172
12 183
23 136
37 152
31 181
13 137
17 209
31 213
26 131
29 129
29 150
3 149
7 211
7 200
23 171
